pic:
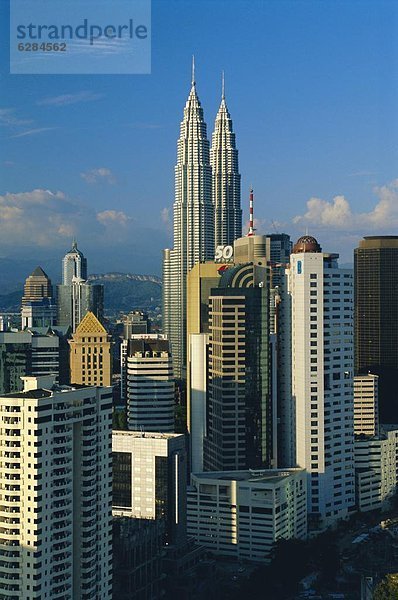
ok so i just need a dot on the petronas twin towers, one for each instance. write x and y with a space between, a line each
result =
207 210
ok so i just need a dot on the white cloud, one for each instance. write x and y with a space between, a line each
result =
113 217
67 99
96 175
339 215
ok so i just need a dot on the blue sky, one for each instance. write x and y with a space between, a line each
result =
312 88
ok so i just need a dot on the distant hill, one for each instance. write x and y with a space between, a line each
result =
125 291
122 291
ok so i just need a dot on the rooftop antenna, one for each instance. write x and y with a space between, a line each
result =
193 70
251 213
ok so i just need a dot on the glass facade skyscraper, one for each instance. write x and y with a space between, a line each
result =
376 317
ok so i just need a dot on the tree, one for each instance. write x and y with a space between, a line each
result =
387 589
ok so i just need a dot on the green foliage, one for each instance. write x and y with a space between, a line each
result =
180 419
125 294
387 589
119 419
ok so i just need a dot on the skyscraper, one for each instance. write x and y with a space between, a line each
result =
150 384
225 179
239 422
193 224
376 317
55 522
75 300
74 264
38 306
321 395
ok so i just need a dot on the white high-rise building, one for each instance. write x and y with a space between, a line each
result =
55 499
150 479
321 300
193 225
226 179
150 384
74 264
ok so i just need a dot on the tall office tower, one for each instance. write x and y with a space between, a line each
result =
74 265
32 352
55 522
37 286
77 299
279 247
366 404
91 353
136 322
193 225
150 384
376 317
150 479
38 307
239 429
200 281
15 360
321 297
226 179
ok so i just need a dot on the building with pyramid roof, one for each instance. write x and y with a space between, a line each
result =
90 353
38 306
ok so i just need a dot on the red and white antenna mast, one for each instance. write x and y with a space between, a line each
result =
251 214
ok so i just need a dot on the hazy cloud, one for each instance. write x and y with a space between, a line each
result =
10 119
45 218
33 131
96 175
339 215
67 99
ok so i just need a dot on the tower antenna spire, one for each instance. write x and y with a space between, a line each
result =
251 212
193 69
223 86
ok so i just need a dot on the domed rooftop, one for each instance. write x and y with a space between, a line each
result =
306 243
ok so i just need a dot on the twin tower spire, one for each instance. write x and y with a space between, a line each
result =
207 209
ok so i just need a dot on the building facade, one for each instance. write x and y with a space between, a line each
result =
76 300
241 514
38 306
321 301
193 225
376 468
137 559
55 533
376 318
366 404
239 412
225 179
150 384
149 479
91 353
